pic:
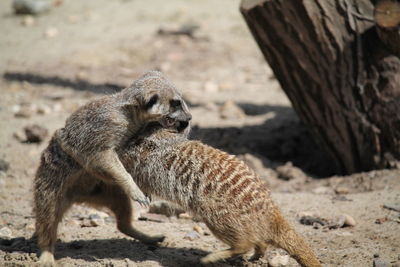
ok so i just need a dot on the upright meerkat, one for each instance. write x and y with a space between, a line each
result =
231 199
90 142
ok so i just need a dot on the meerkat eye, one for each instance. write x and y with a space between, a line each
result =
152 101
175 103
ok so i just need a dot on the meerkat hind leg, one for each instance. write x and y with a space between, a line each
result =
119 203
223 254
259 251
46 230
46 259
108 166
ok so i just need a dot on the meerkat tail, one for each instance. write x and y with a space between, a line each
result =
294 244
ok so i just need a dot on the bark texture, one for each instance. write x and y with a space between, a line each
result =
343 82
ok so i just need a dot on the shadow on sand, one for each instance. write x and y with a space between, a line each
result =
102 250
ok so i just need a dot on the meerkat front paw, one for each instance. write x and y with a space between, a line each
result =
46 260
138 196
154 240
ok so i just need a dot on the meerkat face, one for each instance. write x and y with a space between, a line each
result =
160 102
167 107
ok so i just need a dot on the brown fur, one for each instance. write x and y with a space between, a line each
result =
222 190
89 142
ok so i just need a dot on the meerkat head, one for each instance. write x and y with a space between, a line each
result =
162 103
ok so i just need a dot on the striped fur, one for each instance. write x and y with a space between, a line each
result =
230 197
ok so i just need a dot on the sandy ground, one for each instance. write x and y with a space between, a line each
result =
52 64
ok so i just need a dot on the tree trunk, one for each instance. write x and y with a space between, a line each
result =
342 80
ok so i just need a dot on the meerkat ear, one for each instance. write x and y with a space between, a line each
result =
153 100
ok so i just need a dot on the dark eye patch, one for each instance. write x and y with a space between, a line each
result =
175 103
152 101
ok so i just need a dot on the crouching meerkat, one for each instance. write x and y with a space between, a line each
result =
90 142
219 188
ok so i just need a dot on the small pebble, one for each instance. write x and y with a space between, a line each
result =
43 110
342 190
33 7
5 232
337 222
4 165
349 221
323 190
289 172
392 206
51 32
35 133
185 215
96 220
198 229
28 21
192 235
23 111
230 110
279 260
211 87
310 220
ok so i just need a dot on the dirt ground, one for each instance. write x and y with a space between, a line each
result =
52 64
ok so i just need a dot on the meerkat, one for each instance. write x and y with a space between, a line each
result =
90 142
219 188
229 196
94 133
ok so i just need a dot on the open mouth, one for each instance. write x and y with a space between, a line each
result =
169 122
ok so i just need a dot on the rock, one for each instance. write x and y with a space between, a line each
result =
4 165
165 208
35 133
229 110
32 7
381 220
341 221
337 222
211 87
379 263
198 229
279 260
43 110
323 190
51 32
5 232
288 172
192 235
30 227
311 220
20 136
185 216
349 221
23 111
96 220
86 223
57 107
392 206
187 29
342 190
28 21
